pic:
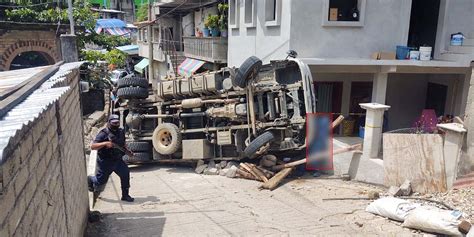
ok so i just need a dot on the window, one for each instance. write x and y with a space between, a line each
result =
272 12
344 13
234 13
250 13
145 35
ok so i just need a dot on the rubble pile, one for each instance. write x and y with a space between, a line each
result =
460 199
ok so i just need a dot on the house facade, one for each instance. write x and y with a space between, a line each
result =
173 38
338 39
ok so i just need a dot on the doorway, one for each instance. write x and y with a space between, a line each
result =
423 23
436 97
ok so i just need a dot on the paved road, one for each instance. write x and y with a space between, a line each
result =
174 201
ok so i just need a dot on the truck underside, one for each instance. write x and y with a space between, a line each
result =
228 114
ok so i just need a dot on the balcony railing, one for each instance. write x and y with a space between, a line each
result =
209 49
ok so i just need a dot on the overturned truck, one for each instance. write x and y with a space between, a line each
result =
229 114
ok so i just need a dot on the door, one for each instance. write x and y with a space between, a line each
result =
423 23
436 97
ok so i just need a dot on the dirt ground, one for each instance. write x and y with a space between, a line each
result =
174 201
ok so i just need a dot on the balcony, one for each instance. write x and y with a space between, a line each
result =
158 54
209 49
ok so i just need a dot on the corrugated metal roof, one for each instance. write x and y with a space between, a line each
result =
9 79
29 109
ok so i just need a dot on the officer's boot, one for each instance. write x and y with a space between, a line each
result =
125 196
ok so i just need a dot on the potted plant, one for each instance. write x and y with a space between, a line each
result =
205 30
213 24
223 9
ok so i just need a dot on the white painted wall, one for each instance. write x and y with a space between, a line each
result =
265 42
385 26
455 16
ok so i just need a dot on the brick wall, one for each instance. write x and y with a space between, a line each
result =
44 187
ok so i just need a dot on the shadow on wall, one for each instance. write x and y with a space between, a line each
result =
127 224
92 101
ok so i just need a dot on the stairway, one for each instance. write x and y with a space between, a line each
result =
464 53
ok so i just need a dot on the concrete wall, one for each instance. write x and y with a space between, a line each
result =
265 42
385 26
406 94
44 189
455 16
467 156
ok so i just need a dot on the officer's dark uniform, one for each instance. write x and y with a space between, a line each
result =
110 160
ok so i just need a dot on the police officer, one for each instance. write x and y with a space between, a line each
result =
109 158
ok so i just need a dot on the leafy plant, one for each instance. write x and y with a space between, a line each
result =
212 21
223 8
115 57
142 13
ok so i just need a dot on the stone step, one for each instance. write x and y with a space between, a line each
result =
470 35
461 49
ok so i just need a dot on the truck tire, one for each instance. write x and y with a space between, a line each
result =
132 93
139 146
166 138
132 81
250 66
257 143
139 157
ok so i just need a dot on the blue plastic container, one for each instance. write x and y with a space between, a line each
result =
205 32
215 32
403 52
361 131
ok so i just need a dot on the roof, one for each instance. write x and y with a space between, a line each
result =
128 49
110 23
10 79
373 62
25 112
107 10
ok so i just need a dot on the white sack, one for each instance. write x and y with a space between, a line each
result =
392 208
435 220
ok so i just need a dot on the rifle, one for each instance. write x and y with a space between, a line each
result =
124 150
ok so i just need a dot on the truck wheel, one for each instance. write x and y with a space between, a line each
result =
250 66
139 157
166 138
139 146
132 81
258 143
132 93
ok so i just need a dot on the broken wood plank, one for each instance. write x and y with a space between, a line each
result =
260 174
275 180
319 155
248 168
267 173
245 175
337 121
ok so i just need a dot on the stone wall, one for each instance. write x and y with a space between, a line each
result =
44 187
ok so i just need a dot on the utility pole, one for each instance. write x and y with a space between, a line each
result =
150 43
71 18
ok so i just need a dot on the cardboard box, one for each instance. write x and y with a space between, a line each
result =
333 14
383 56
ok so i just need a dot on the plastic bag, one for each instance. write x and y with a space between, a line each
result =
392 208
432 219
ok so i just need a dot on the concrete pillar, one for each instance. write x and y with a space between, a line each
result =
453 140
69 48
379 87
373 128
